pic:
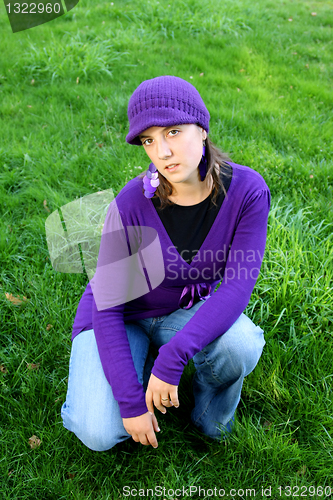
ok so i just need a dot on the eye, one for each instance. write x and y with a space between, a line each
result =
173 132
146 142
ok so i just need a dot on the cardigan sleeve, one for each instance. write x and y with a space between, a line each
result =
223 308
109 286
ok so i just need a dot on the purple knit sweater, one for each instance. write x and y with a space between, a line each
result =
232 252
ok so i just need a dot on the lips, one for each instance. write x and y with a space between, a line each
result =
172 167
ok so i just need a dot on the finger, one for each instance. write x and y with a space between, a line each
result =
151 437
174 397
144 440
165 401
155 424
149 401
158 403
135 438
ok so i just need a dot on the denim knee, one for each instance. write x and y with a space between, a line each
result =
244 343
98 440
233 354
93 433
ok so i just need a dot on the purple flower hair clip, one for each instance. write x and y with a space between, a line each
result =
151 181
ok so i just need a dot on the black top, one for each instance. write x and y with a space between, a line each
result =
188 226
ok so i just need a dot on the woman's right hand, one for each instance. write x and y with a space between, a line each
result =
142 428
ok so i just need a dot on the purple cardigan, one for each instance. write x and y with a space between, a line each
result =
232 252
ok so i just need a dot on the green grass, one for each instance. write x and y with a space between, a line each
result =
64 88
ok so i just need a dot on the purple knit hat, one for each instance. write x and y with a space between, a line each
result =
162 102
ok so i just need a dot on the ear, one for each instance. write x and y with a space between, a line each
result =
204 134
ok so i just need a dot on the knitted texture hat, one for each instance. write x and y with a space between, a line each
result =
162 102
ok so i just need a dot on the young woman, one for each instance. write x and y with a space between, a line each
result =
209 216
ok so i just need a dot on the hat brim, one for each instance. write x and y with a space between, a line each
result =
133 136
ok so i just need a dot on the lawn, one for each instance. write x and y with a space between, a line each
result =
264 70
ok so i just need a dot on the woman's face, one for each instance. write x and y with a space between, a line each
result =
175 151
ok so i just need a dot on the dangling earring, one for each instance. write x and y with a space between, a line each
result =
151 181
203 163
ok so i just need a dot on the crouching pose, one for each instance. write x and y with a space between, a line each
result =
193 221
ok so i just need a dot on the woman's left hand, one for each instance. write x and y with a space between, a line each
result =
161 394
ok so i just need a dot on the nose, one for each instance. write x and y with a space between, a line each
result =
163 150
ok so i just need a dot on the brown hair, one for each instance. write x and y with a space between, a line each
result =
216 165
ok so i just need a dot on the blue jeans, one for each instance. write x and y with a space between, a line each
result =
92 413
